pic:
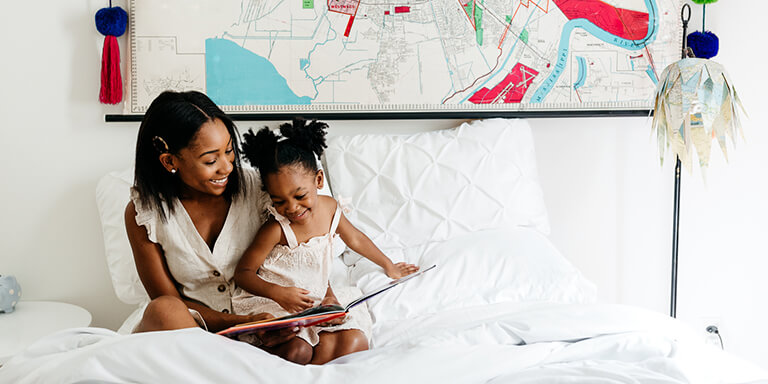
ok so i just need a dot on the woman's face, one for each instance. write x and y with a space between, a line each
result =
205 164
293 190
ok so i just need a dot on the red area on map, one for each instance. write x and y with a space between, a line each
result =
511 89
347 7
402 9
624 23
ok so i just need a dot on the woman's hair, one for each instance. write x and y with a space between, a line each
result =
299 144
169 125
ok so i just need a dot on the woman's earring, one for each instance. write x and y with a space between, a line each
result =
173 170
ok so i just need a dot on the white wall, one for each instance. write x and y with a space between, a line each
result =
609 200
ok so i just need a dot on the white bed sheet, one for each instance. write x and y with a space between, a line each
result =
502 343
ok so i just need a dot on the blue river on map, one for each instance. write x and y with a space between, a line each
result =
562 56
237 76
582 72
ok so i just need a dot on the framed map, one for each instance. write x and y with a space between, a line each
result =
414 56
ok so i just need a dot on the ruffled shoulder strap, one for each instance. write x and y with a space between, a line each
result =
285 224
145 216
336 218
256 199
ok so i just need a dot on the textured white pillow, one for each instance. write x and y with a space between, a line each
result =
112 196
487 267
406 190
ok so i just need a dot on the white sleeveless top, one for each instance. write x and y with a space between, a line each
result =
308 266
202 274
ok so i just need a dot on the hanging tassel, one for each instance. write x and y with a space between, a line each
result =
111 22
111 91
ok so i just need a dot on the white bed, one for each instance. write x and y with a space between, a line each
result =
503 305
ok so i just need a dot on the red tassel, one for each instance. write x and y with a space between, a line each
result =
111 81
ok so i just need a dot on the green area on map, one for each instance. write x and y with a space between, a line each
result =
308 4
524 36
476 14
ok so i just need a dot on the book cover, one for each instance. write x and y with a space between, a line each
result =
315 315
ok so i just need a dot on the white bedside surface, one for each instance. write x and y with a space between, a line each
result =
32 320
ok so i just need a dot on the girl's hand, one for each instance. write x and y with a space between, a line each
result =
292 299
331 300
401 269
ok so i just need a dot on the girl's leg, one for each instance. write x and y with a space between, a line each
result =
337 344
165 313
296 350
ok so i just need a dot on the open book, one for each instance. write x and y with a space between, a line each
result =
314 315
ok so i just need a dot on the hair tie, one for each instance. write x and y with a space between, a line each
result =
160 144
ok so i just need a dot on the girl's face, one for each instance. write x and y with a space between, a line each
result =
293 190
205 164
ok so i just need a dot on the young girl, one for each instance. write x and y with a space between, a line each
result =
288 264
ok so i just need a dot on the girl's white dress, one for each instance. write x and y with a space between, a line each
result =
308 266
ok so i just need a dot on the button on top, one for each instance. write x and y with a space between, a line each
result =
222 288
216 273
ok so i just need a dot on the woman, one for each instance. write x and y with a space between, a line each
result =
193 211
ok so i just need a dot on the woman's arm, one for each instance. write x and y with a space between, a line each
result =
293 299
156 278
360 243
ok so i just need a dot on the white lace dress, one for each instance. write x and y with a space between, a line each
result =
308 266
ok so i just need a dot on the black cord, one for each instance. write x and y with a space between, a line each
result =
713 329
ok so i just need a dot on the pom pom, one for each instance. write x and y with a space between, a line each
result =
704 1
111 21
704 44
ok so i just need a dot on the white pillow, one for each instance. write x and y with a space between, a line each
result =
407 190
112 196
487 267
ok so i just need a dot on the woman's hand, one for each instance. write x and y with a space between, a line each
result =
331 300
399 270
292 299
273 337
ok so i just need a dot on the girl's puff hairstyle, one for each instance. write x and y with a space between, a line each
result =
169 125
299 144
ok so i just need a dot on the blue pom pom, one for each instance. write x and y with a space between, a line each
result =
111 21
704 44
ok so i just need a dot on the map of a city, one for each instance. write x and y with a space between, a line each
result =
403 55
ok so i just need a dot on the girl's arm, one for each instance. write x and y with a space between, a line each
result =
156 278
360 243
293 299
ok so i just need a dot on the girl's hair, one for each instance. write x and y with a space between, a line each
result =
169 125
299 144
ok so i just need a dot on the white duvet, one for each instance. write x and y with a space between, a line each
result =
501 343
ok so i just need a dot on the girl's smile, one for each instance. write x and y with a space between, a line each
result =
294 192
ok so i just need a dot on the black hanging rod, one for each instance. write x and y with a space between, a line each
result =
415 115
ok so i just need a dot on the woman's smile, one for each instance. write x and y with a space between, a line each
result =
220 183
